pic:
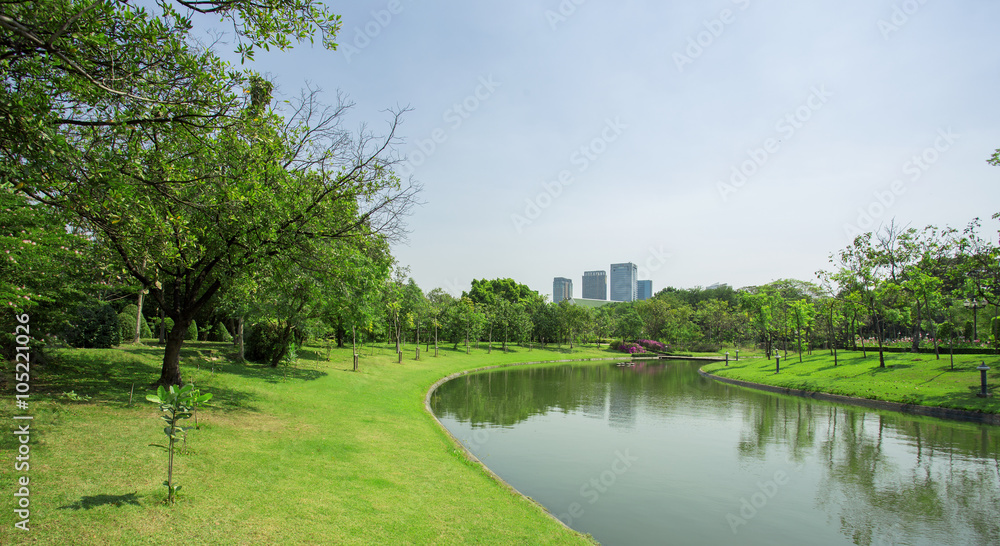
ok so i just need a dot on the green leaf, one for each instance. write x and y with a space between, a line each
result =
153 398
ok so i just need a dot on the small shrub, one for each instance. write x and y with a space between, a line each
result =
264 344
127 321
95 327
220 333
192 332
168 324
177 403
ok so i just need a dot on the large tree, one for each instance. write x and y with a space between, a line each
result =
187 219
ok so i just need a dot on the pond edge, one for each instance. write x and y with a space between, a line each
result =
915 409
469 455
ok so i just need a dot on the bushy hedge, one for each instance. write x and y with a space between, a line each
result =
192 333
219 333
168 324
127 321
263 342
95 327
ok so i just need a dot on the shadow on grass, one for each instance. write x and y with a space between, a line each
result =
110 375
264 372
89 503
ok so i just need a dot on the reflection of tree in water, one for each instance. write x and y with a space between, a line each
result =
888 478
606 392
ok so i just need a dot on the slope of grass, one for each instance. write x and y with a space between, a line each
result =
907 378
313 454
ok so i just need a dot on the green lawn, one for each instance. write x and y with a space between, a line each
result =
907 378
315 454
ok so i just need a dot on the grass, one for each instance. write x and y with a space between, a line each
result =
311 454
907 378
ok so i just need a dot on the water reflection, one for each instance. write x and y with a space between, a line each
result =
717 453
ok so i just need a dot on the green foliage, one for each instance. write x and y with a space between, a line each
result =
95 327
127 321
220 333
177 403
489 292
182 164
168 324
947 330
192 331
265 343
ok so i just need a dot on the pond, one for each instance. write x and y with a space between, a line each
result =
651 452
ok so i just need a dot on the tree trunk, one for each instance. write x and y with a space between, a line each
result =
163 328
341 333
285 338
878 332
930 321
171 371
240 354
399 333
138 317
915 344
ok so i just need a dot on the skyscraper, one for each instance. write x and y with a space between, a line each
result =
645 290
595 285
624 282
562 289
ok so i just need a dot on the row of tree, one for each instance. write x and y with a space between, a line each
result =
133 159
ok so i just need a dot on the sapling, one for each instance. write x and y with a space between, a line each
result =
176 403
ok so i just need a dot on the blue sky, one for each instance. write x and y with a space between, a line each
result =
735 141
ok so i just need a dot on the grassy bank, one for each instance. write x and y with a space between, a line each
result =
314 454
907 378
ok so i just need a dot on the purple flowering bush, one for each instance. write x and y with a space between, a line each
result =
652 345
628 347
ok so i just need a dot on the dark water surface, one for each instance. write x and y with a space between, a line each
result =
652 453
